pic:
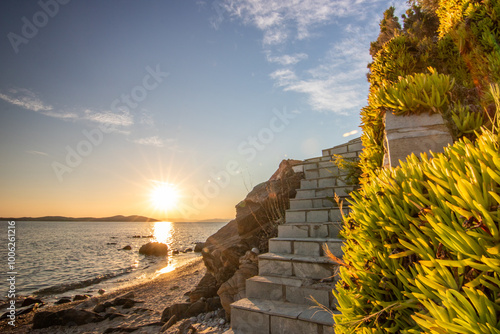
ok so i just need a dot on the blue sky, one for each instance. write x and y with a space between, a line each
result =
102 100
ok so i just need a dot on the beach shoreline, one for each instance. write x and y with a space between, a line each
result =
154 295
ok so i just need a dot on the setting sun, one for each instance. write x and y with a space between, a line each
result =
164 196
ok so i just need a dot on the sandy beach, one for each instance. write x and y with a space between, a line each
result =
154 296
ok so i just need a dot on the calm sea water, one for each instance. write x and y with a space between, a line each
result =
56 259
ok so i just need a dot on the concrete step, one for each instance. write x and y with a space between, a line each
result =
260 316
312 215
317 202
318 159
300 266
323 182
309 230
332 171
292 290
306 246
353 146
324 192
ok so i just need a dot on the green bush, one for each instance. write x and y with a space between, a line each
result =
422 250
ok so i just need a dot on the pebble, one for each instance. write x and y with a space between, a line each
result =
222 322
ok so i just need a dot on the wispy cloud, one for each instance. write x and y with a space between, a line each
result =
338 83
25 98
65 115
150 141
123 118
350 133
284 19
37 153
286 60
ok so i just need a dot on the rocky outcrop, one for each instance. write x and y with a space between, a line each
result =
234 289
256 221
154 249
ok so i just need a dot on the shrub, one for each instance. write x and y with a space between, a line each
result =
422 250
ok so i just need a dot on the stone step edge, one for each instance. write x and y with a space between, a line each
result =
344 207
326 178
296 258
287 310
325 188
325 198
322 240
299 282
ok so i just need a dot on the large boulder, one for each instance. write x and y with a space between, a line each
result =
154 248
256 221
234 289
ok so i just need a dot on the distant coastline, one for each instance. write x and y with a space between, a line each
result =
118 218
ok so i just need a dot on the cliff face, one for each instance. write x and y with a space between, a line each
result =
256 220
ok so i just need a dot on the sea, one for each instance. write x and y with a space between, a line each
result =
56 259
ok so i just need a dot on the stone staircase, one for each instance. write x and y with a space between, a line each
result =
296 274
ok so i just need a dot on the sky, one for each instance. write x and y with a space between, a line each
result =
101 102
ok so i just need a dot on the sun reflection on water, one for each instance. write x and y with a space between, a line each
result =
166 269
162 232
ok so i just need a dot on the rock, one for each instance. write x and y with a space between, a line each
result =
111 310
63 300
69 317
255 222
255 250
222 322
113 315
234 288
196 308
132 329
111 243
186 327
19 311
99 308
198 247
125 302
29 301
88 303
129 303
129 294
213 304
101 291
154 249
187 250
178 310
207 287
175 252
221 313
128 247
169 323
80 297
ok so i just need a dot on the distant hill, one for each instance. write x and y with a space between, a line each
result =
118 218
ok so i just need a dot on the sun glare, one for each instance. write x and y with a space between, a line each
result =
164 196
